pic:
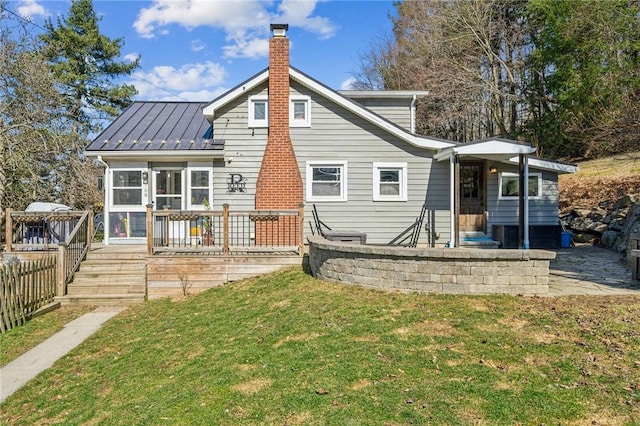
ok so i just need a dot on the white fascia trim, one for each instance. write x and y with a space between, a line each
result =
385 94
549 165
420 142
146 155
210 109
486 148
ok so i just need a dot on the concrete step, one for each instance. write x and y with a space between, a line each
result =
101 300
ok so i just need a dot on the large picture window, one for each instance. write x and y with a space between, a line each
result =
326 181
510 185
127 187
389 181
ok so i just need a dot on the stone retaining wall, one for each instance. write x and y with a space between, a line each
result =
460 271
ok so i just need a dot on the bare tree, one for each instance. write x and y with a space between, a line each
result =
38 155
468 55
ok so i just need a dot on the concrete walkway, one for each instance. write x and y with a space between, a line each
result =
588 270
18 372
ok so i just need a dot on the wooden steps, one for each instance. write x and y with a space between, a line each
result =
109 278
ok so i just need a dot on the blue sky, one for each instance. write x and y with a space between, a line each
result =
195 50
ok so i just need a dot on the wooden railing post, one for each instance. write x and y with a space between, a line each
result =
225 228
90 230
62 275
8 231
149 229
301 224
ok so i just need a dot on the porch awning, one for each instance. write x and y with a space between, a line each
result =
492 149
505 151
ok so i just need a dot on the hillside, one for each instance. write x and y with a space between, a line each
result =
599 183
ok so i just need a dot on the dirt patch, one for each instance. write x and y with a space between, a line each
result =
426 328
361 384
297 338
252 386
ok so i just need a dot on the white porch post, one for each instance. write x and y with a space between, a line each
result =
523 204
526 202
106 186
452 198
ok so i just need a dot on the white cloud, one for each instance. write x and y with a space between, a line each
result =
191 82
247 48
131 57
227 15
298 13
347 84
197 45
31 9
245 23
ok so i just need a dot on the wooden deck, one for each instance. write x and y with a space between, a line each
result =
177 273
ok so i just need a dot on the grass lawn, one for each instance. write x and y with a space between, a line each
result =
287 349
20 339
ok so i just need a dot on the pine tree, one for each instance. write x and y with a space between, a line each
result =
85 64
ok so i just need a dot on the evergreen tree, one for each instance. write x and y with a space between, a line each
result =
85 65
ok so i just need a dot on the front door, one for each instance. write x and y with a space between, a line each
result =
472 197
168 193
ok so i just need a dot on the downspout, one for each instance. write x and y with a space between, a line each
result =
452 203
412 113
105 187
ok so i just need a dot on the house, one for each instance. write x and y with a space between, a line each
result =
282 138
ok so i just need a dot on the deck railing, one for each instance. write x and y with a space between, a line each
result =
225 232
67 232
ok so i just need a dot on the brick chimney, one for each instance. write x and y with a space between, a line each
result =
279 184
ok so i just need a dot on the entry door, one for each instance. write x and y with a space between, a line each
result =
168 192
168 189
472 197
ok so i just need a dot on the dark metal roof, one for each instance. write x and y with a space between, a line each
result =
158 126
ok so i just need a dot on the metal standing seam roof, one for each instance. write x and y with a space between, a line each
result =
158 126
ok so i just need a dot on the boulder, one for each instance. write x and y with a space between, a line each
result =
609 238
625 201
584 238
581 224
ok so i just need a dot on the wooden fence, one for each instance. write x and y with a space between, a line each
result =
24 288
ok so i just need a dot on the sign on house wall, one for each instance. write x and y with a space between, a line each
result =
236 183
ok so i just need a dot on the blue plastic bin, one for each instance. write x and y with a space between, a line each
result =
565 239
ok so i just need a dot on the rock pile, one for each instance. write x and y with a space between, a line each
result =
609 226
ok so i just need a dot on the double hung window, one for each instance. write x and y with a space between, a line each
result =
389 181
326 181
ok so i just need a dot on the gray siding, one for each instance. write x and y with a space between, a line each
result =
243 155
397 111
542 211
337 135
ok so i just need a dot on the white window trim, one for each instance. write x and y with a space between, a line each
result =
300 123
343 183
403 182
252 121
189 187
515 197
113 187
